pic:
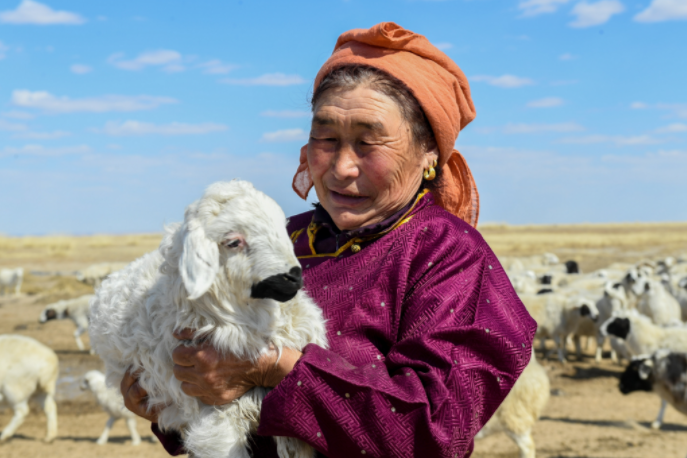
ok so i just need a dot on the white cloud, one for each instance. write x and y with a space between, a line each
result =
547 102
663 10
522 128
567 56
444 46
674 128
286 135
52 104
638 105
80 69
17 115
618 140
563 82
286 113
30 135
42 151
269 79
144 128
591 14
217 67
168 59
3 50
30 12
11 127
537 7
678 109
504 81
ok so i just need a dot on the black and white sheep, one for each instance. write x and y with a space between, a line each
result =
76 310
230 272
27 367
110 399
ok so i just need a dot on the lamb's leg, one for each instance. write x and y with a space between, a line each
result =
50 410
102 440
524 442
21 410
77 337
656 424
599 348
542 345
578 347
560 344
135 438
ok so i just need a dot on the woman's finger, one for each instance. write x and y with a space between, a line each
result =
184 356
184 334
186 373
191 389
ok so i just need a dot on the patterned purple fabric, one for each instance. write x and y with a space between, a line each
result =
426 336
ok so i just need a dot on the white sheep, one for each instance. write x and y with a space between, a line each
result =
240 300
11 278
558 316
110 399
521 409
75 309
27 367
94 274
613 300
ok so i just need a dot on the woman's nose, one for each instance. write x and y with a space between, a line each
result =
345 164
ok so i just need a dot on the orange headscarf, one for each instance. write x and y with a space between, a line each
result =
440 87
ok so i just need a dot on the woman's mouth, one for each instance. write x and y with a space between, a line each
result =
347 199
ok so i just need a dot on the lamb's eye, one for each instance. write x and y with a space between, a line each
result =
232 243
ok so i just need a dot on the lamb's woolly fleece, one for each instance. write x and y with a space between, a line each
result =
194 281
657 303
646 337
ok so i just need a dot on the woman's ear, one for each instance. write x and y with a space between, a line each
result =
431 154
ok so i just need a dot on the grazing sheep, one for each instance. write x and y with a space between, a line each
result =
613 300
664 373
94 275
110 399
642 337
11 278
656 302
521 409
557 316
74 309
26 367
241 301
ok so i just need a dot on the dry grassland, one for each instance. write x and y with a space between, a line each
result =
590 419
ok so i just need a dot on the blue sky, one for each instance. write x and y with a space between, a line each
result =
116 115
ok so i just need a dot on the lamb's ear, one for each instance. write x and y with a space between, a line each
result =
199 263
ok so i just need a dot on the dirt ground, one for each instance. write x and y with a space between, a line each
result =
588 416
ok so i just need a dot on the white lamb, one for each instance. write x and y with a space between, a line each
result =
521 409
229 271
110 399
94 275
558 316
11 278
26 367
76 310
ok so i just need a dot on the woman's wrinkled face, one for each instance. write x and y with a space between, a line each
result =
362 158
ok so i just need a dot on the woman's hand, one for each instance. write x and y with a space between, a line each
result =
136 398
218 379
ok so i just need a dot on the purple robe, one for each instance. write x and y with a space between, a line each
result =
426 337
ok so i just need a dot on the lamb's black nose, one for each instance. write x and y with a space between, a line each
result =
280 287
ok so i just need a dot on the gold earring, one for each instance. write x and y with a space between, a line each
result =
429 174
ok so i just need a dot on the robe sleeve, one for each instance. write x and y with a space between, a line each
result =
463 338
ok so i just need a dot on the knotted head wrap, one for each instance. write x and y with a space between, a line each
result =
440 87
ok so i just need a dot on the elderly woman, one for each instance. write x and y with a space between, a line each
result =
426 334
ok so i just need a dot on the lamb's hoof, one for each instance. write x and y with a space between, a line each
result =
99 442
48 440
135 443
655 424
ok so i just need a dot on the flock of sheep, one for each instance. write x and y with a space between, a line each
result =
640 309
28 368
